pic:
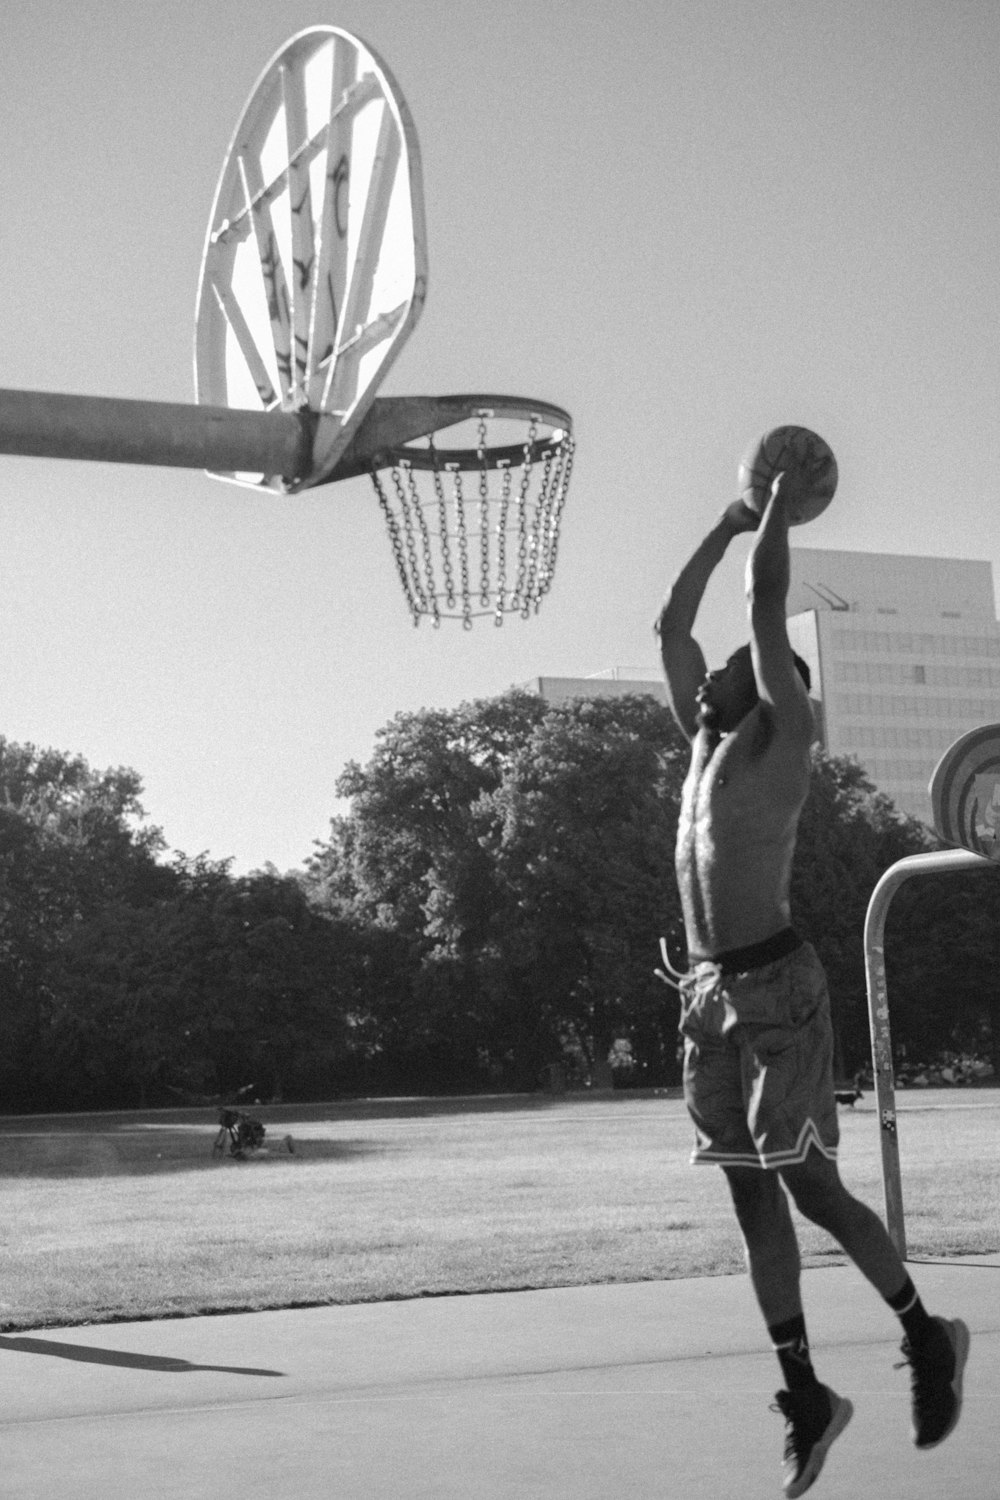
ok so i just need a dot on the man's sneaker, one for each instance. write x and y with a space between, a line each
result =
936 1368
814 1418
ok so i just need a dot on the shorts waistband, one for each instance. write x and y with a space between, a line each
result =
755 955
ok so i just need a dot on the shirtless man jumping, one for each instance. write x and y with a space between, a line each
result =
758 1073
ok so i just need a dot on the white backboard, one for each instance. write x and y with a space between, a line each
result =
315 268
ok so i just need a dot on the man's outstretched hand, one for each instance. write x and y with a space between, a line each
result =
740 517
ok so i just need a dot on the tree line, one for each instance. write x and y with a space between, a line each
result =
489 906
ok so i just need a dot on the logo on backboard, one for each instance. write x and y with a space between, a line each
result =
986 811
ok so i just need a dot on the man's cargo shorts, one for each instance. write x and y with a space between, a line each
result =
758 1062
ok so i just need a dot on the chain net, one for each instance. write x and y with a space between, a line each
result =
476 533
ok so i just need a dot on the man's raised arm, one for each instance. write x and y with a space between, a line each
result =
683 659
768 577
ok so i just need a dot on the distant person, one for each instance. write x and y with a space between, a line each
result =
755 1012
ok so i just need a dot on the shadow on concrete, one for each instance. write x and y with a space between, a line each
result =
89 1354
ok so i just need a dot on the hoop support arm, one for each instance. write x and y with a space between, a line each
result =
936 862
223 440
108 429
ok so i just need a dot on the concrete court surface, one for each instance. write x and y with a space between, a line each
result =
577 1393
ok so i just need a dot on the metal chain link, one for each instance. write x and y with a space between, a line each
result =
507 475
397 545
408 539
463 546
484 515
442 504
416 506
564 474
538 537
527 465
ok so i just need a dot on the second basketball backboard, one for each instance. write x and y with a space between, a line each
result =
965 792
314 269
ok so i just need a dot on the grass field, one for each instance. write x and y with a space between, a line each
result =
131 1216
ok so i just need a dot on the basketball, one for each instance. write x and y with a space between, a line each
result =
804 457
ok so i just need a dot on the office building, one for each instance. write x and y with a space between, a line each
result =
616 682
904 654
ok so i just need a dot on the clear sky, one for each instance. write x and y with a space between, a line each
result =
686 221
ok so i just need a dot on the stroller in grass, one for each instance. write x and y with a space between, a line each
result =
243 1133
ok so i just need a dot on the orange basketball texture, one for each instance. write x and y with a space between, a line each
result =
807 460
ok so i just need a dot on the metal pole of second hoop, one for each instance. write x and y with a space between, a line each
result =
45 424
936 863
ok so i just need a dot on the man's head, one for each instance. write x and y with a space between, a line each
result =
728 694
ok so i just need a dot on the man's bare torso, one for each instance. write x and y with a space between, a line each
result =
736 834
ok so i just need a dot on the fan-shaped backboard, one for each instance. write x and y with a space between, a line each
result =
965 792
314 270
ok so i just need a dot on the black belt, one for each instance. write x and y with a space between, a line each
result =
755 955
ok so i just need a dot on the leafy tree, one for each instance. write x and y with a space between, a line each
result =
411 810
71 840
272 1009
523 851
225 983
117 1030
125 977
581 831
407 861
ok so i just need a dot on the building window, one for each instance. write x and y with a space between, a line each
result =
919 673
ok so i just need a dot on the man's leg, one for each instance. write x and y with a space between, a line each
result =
820 1195
769 1239
935 1348
815 1415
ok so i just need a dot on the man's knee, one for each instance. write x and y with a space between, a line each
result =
816 1189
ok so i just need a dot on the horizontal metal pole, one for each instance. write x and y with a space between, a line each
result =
113 430
44 424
